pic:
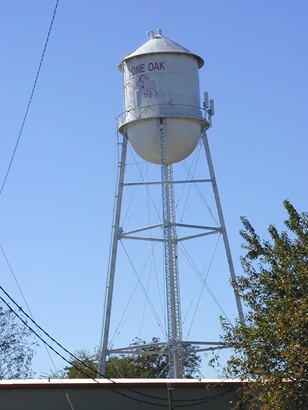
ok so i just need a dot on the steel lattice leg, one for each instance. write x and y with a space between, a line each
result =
112 259
171 267
222 224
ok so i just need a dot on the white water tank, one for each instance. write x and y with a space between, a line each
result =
161 84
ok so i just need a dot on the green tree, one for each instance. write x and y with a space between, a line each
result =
133 366
16 347
270 350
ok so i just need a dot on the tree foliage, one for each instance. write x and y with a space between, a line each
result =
270 350
133 366
16 347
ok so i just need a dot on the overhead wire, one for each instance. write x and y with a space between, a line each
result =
16 147
14 277
24 298
30 99
62 347
38 335
38 327
189 402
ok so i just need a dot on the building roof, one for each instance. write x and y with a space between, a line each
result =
40 382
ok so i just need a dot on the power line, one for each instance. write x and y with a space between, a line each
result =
62 357
62 347
189 402
23 296
70 362
42 330
30 99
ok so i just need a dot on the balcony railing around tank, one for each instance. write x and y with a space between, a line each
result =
162 110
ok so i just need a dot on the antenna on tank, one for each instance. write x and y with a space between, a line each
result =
208 106
206 100
212 107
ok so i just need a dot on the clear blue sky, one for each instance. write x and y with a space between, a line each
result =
56 208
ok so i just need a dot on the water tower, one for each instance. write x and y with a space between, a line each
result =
163 121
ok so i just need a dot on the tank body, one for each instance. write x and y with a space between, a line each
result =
161 85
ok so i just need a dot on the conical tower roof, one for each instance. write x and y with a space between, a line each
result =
158 43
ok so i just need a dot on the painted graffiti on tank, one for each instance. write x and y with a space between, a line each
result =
147 86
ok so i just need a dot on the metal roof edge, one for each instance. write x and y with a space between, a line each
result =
159 44
88 382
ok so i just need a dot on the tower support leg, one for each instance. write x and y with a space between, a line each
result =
222 224
171 266
112 259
